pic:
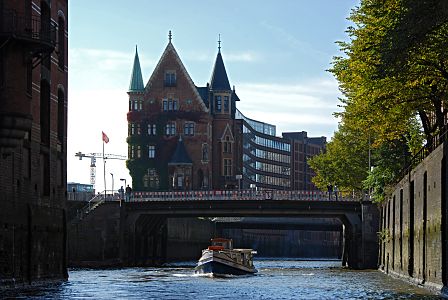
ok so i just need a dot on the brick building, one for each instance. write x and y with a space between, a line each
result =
33 140
185 137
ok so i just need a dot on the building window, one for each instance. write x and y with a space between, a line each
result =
218 103
226 103
152 129
170 78
139 130
139 151
151 151
131 129
170 128
153 178
61 42
227 145
170 105
61 116
204 152
131 151
227 167
45 112
189 128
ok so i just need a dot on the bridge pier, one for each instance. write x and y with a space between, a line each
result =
360 250
143 239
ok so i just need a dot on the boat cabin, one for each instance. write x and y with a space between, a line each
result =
222 243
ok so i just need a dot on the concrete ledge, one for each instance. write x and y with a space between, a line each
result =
430 286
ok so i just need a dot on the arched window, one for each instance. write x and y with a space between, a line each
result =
45 19
45 112
61 41
61 115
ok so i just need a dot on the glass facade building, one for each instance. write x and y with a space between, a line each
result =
266 157
272 162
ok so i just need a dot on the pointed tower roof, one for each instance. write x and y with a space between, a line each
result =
180 156
136 84
219 80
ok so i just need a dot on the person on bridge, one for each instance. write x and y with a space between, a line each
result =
335 189
128 193
121 191
330 191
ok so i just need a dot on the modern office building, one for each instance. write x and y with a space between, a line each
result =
33 140
185 137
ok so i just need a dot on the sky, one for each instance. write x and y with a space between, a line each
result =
276 54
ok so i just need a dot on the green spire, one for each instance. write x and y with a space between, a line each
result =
136 79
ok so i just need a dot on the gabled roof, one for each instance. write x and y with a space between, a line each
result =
136 84
170 48
180 156
219 80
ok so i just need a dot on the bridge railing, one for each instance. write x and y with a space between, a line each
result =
241 195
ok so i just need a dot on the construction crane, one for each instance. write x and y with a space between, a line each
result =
93 157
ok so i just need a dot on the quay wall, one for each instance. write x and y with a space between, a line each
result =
413 225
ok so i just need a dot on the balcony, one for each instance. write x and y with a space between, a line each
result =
30 30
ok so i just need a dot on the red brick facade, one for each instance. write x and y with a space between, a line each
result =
33 140
194 146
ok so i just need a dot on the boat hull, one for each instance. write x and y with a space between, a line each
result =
224 262
220 269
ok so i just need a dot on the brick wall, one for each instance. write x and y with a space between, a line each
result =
412 221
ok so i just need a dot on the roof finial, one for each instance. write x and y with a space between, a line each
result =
219 42
169 36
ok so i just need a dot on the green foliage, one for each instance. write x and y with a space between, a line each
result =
384 235
393 70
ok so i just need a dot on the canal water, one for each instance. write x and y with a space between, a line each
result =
276 279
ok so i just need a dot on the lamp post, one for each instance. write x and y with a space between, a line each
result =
111 174
122 191
123 179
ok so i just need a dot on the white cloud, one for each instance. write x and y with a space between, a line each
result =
292 107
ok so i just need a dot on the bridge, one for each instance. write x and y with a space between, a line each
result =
144 214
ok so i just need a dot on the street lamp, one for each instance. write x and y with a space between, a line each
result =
123 179
111 174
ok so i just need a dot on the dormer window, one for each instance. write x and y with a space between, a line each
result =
170 78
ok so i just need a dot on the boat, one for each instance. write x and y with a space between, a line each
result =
220 259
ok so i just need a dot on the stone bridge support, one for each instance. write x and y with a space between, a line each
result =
361 238
143 239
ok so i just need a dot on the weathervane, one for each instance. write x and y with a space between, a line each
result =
169 36
219 42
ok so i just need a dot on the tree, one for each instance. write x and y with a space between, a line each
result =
392 72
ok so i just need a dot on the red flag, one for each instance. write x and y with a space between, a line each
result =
105 137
